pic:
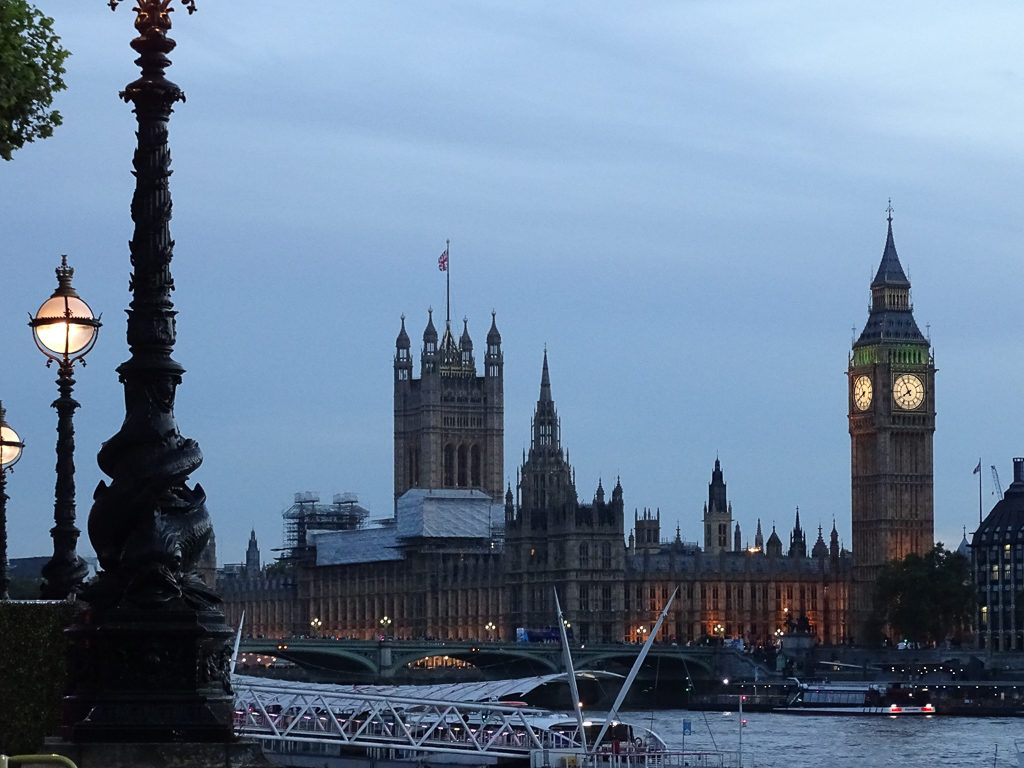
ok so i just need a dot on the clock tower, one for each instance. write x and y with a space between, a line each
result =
892 420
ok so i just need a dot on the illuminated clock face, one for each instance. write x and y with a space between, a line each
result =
862 392
908 391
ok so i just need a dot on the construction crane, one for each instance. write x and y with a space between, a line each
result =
998 491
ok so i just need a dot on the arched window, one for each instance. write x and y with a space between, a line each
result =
476 470
463 466
584 555
449 466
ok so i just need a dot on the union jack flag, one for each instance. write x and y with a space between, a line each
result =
442 261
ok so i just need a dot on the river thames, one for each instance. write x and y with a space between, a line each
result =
806 741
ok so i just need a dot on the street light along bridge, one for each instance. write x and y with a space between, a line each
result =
378 661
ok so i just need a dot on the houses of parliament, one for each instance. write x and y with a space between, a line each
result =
468 554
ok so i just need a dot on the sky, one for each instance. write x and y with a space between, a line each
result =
685 202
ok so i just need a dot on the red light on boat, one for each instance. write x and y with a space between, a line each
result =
895 708
927 708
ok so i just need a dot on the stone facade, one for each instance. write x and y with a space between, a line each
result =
485 581
552 541
449 423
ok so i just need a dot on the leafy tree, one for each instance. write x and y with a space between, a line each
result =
31 66
927 599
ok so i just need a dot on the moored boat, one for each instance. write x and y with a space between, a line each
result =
857 699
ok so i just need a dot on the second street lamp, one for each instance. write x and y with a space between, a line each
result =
64 330
10 452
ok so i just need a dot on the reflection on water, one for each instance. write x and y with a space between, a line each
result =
804 741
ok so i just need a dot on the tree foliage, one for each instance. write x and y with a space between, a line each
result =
31 69
927 599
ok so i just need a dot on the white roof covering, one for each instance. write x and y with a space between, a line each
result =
445 513
421 514
488 690
363 545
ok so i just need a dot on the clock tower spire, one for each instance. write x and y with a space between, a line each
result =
891 421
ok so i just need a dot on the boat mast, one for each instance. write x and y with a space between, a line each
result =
577 705
613 713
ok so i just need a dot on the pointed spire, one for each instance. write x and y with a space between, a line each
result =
774 546
797 539
545 379
717 499
891 318
402 342
546 431
890 271
493 337
820 550
430 332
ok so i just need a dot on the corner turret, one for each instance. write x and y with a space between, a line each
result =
403 356
428 359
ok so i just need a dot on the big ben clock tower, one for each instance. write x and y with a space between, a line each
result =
892 420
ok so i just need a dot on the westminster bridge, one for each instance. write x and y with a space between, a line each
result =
666 668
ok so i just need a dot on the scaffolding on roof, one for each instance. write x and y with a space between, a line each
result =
307 514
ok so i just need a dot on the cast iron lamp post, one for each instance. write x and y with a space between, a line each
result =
64 330
10 452
149 660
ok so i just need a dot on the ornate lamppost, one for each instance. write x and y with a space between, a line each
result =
64 330
10 452
150 655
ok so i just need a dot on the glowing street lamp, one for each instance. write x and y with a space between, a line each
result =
65 330
315 625
10 452
490 627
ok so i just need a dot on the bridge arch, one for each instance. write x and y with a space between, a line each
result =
493 662
318 655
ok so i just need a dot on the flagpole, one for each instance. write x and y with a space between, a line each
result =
448 283
979 494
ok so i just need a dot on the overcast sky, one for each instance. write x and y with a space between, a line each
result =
685 201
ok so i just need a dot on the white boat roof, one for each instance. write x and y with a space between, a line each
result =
486 690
